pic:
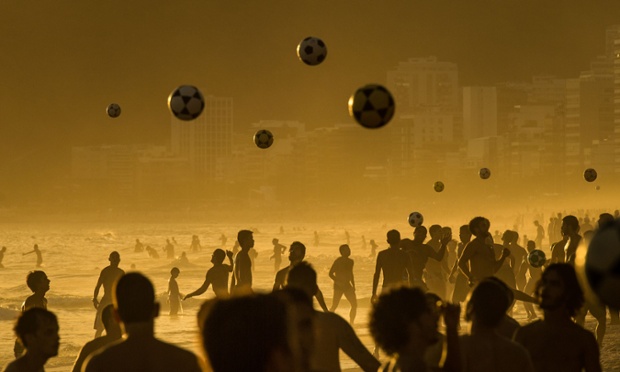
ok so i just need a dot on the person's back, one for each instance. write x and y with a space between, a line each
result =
218 277
134 301
394 264
142 354
482 354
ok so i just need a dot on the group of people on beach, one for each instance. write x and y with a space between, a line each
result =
282 331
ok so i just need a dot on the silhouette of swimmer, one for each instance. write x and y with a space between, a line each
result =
223 239
242 279
37 331
373 248
139 247
39 284
139 350
152 252
37 251
217 276
108 276
174 297
485 349
332 332
278 251
169 249
2 252
112 333
195 246
341 273
556 343
316 239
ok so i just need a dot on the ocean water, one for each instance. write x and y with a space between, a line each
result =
74 254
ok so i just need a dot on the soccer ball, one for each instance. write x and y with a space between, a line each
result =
590 174
186 102
597 187
484 173
312 51
415 219
372 106
263 139
536 258
602 264
438 186
113 110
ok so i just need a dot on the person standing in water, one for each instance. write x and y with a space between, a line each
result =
37 251
174 297
107 277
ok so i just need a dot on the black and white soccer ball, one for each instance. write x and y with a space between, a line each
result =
263 139
415 219
602 264
484 173
537 258
590 175
186 102
312 51
439 186
113 110
372 106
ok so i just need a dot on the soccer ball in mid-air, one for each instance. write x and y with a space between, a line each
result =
590 175
415 219
438 186
263 139
113 110
536 258
602 264
186 102
484 173
312 51
372 106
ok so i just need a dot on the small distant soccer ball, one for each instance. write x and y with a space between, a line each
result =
590 175
536 258
113 110
438 186
263 139
372 106
597 187
484 173
602 264
312 51
415 219
186 102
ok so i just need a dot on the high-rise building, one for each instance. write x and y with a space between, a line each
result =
205 139
613 43
479 112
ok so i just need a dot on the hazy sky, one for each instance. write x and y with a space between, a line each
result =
63 61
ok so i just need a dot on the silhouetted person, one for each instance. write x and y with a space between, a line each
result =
604 220
570 228
139 247
435 270
217 276
169 249
2 252
332 332
419 253
139 350
37 251
403 325
250 333
518 255
363 242
534 277
506 272
39 284
347 236
278 251
484 349
478 259
112 333
195 245
37 330
174 296
393 263
107 277
540 234
373 248
223 239
316 239
341 273
461 287
556 343
297 253
243 264
152 252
